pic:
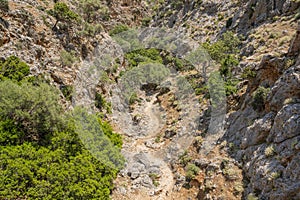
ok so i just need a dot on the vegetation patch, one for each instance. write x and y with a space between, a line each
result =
118 29
191 171
68 58
41 153
13 68
62 13
259 98
225 52
4 5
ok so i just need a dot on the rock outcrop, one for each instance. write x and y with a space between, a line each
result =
267 141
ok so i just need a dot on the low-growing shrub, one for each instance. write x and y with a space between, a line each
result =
259 98
191 171
67 91
118 29
13 68
136 57
184 158
68 58
4 5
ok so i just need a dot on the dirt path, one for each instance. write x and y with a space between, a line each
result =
137 145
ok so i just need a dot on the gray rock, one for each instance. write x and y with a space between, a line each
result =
154 170
122 190
213 167
258 131
287 87
286 124
180 179
147 182
134 173
202 163
142 158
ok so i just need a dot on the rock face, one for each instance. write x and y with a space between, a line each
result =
268 141
256 12
295 46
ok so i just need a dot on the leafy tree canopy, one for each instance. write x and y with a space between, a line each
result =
62 12
41 153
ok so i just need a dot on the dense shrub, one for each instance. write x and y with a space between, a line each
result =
92 10
4 5
225 51
34 109
45 153
36 172
191 171
68 58
146 21
118 29
93 136
91 29
101 103
13 68
67 91
115 138
64 167
136 57
259 98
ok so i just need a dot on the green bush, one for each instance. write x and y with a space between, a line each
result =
184 158
259 98
4 5
231 86
93 136
13 68
35 172
46 154
133 98
115 138
146 21
91 29
248 73
89 9
101 103
118 29
67 91
136 57
68 58
10 133
225 51
34 109
191 171
62 13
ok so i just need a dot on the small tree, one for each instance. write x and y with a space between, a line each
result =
62 13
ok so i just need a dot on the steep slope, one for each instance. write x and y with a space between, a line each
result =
258 156
263 127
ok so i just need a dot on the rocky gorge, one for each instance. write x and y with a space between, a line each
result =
257 153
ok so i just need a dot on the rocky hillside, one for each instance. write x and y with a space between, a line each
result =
255 46
263 127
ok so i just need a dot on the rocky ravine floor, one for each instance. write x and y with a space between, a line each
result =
156 131
146 175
